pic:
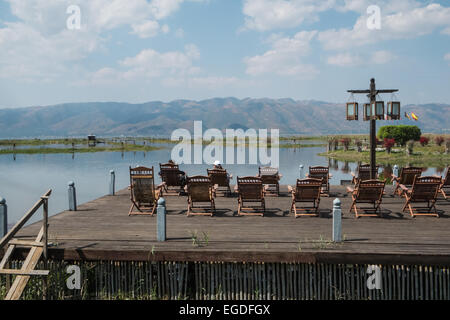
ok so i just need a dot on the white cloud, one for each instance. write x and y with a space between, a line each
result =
40 46
148 29
265 15
354 60
345 60
284 57
149 64
382 57
27 54
406 24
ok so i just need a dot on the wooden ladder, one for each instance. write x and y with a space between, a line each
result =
38 247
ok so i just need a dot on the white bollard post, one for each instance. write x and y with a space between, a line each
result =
112 183
161 220
337 220
72 196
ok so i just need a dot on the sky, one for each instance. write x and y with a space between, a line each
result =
59 51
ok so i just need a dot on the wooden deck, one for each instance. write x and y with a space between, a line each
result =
102 230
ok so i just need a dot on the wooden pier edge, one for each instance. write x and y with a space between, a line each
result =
243 257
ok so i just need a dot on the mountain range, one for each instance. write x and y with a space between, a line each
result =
161 118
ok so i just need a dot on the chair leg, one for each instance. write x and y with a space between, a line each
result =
131 209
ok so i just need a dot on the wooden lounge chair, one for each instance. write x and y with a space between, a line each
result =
319 172
406 178
250 190
306 190
363 173
270 178
367 191
424 190
144 195
174 179
200 190
445 185
220 179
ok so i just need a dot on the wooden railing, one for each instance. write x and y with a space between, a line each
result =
38 248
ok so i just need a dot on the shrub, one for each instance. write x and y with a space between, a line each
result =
388 144
439 141
423 141
401 133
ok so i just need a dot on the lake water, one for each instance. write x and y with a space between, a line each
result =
25 179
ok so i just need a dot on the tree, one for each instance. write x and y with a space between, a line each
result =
401 133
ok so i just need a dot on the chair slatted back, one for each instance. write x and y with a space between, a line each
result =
250 188
142 183
170 174
308 189
219 177
199 188
364 171
408 174
268 175
370 190
447 178
319 172
425 188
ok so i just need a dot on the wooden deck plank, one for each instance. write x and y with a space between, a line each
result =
102 228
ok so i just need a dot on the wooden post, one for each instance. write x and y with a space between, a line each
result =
45 242
72 196
337 221
112 183
161 220
3 217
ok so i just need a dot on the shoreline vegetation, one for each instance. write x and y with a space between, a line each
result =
347 148
426 152
127 144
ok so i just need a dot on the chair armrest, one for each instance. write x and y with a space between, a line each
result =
290 189
230 176
185 188
394 177
161 185
236 188
353 174
404 188
350 190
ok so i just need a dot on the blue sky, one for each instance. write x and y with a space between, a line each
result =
137 50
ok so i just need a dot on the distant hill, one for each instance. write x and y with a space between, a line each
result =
160 118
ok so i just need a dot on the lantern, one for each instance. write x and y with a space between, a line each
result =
377 110
352 111
367 112
393 110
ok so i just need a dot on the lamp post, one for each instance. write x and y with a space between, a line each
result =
372 94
